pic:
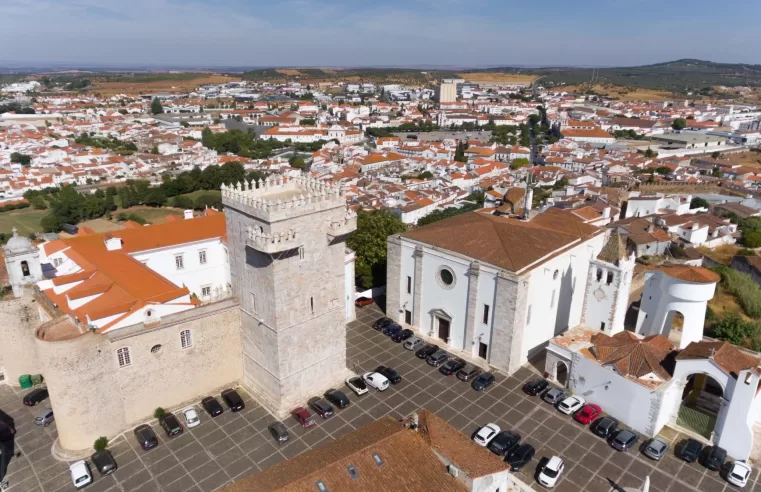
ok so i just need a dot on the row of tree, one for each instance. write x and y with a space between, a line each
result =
244 144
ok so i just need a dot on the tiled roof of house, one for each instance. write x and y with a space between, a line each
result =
725 355
631 355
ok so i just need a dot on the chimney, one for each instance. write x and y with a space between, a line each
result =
113 243
606 213
651 227
188 214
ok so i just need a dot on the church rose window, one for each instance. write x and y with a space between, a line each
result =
446 277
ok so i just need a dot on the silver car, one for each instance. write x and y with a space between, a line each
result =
554 396
45 418
655 448
413 343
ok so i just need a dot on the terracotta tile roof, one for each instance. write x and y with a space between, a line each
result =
631 355
725 355
504 242
697 275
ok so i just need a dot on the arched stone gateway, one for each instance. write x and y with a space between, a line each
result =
557 368
701 405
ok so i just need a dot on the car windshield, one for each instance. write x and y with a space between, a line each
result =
82 479
550 472
740 474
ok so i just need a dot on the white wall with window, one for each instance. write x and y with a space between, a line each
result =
124 357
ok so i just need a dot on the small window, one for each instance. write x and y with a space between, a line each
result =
178 262
408 317
57 262
156 349
186 339
311 304
202 257
24 268
206 291
485 319
599 274
353 473
377 458
124 356
321 486
409 285
602 326
301 252
610 278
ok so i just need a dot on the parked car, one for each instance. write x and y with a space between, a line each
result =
401 336
554 396
279 431
146 437
390 374
437 358
713 457
212 406
468 373
483 381
382 323
45 418
452 366
191 418
689 450
303 416
80 474
363 301
392 329
605 427
738 473
550 472
426 351
504 442
357 385
104 462
171 425
571 404
655 448
377 381
520 456
233 400
623 440
337 398
485 434
320 407
35 397
413 343
535 386
587 414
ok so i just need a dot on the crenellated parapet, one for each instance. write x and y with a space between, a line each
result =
272 243
344 226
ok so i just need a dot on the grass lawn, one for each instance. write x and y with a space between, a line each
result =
153 215
194 196
26 220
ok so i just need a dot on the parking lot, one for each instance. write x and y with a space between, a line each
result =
235 445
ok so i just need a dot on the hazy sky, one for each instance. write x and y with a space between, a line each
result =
378 32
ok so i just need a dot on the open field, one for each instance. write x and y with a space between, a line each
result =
495 77
154 215
101 225
722 254
139 86
622 93
723 302
749 159
289 72
26 220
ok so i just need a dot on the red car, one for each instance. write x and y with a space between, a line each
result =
363 301
303 416
587 414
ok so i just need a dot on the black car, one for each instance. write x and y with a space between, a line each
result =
337 398
392 329
713 457
390 374
483 381
452 366
605 427
146 437
426 351
504 442
689 450
437 358
279 431
535 386
212 406
171 425
35 396
320 407
468 373
381 323
104 462
401 336
520 456
233 400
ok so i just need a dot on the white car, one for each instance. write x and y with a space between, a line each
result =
357 385
485 434
191 418
376 380
571 404
551 472
739 473
80 474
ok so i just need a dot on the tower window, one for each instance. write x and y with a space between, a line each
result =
599 274
124 357
24 268
311 304
485 319
610 278
409 285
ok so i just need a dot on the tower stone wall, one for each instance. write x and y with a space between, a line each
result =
286 240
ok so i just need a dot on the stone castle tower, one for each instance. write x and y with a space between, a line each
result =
608 284
286 242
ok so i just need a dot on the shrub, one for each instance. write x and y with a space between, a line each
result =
742 286
733 329
137 218
159 413
101 443
746 252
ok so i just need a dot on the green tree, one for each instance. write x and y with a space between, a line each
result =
39 203
717 173
369 243
183 202
733 329
297 162
459 154
519 163
156 107
560 184
210 201
20 158
679 124
698 202
650 153
100 444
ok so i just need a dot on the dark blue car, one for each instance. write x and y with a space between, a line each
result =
392 329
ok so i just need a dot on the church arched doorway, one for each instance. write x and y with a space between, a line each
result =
701 402
561 373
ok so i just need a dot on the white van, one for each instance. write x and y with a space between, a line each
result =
376 380
80 474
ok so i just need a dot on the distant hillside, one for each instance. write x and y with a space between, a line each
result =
376 75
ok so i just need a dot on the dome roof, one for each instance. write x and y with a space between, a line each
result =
18 244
